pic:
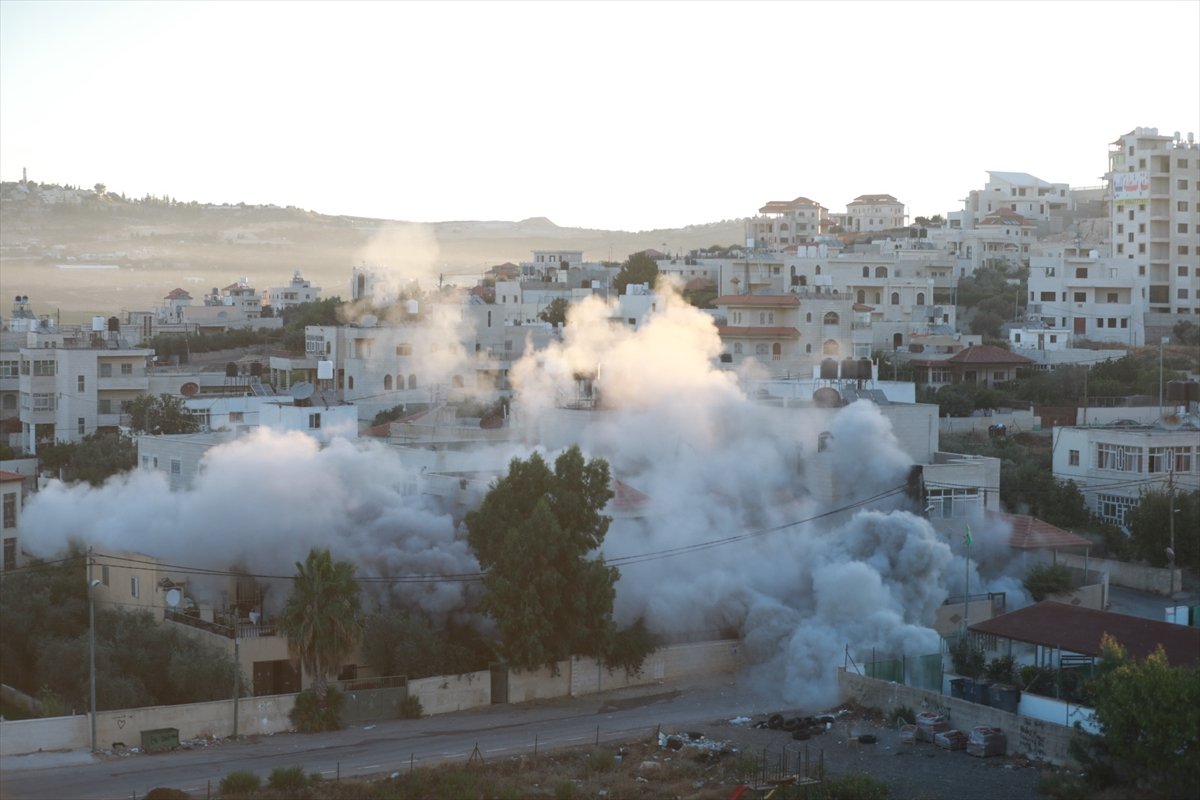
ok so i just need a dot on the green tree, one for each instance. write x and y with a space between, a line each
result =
164 414
1149 718
532 535
1043 580
1186 332
99 456
986 323
556 312
322 617
1150 527
638 268
408 643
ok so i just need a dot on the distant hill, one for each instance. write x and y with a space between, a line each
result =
160 244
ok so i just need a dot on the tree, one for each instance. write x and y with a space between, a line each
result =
164 414
1149 717
322 617
1186 332
638 268
1043 580
408 643
556 312
532 535
986 323
1150 527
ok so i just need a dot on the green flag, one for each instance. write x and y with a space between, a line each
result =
967 538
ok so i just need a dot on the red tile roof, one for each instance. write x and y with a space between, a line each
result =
987 354
1079 630
178 294
873 198
758 300
762 332
1031 533
627 498
6 476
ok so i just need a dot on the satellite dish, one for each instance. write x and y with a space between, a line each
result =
189 389
302 390
173 597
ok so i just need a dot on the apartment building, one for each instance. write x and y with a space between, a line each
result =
1113 465
783 223
1094 297
873 212
12 497
1043 203
297 292
1154 184
73 382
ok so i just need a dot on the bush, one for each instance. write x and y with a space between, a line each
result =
1044 580
410 708
968 659
240 782
902 714
287 778
309 716
1002 670
564 790
854 786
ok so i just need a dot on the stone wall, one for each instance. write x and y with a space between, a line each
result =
447 693
1134 576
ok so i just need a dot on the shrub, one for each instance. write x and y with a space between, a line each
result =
854 786
240 782
309 716
1044 580
564 790
967 658
901 715
287 778
1001 670
410 708
599 761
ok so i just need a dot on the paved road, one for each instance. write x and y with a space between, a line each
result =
1146 604
388 746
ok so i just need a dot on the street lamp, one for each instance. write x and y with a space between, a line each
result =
92 584
1163 340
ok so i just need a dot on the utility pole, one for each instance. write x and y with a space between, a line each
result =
1171 516
92 646
237 679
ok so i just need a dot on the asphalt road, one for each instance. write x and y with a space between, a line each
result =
392 745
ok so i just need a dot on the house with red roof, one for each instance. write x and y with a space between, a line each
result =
983 364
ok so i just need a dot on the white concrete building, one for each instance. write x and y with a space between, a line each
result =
781 223
12 497
1115 464
297 292
1036 200
1094 297
1154 190
874 212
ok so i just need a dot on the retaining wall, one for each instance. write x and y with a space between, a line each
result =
1033 738
1134 576
53 733
447 693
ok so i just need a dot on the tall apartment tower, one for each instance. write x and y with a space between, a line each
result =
1154 186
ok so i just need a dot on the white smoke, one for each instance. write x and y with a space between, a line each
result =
799 585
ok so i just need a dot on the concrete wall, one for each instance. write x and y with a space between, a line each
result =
256 715
1134 576
447 693
1016 421
1035 738
541 684
54 733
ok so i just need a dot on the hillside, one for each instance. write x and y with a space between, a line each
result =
49 239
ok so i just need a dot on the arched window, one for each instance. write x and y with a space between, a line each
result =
866 272
412 381
804 280
895 298
920 298
881 272
877 300
818 269
830 348
808 317
350 382
808 348
762 318
770 317
831 318
737 348
897 341
862 296
387 383
776 351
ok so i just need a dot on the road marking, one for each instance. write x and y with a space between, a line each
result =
370 766
497 750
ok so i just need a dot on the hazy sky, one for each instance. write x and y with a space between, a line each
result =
604 115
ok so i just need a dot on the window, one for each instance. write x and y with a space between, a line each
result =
920 298
1073 458
127 369
135 586
44 368
81 426
1181 271
1182 184
1113 508
953 502
808 348
998 375
1183 459
1047 297
44 402
1181 294
1183 249
831 318
831 347
939 376
760 349
105 370
1082 272
1121 458
412 379
1158 460
1112 297
405 349
1181 227
737 348
881 272
81 383
10 553
104 576
866 272
1080 297
808 317
10 511
895 298
776 351
176 466
314 421
762 318
387 383
1182 205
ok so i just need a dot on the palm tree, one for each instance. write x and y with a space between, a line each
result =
322 618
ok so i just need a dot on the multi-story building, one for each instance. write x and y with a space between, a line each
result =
1092 296
873 212
784 223
12 496
297 292
1043 203
73 382
1115 464
1154 184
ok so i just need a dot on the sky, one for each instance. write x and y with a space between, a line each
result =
617 115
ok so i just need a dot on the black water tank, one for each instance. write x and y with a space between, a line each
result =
828 369
864 369
231 370
1176 392
849 369
1192 389
114 325
256 368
